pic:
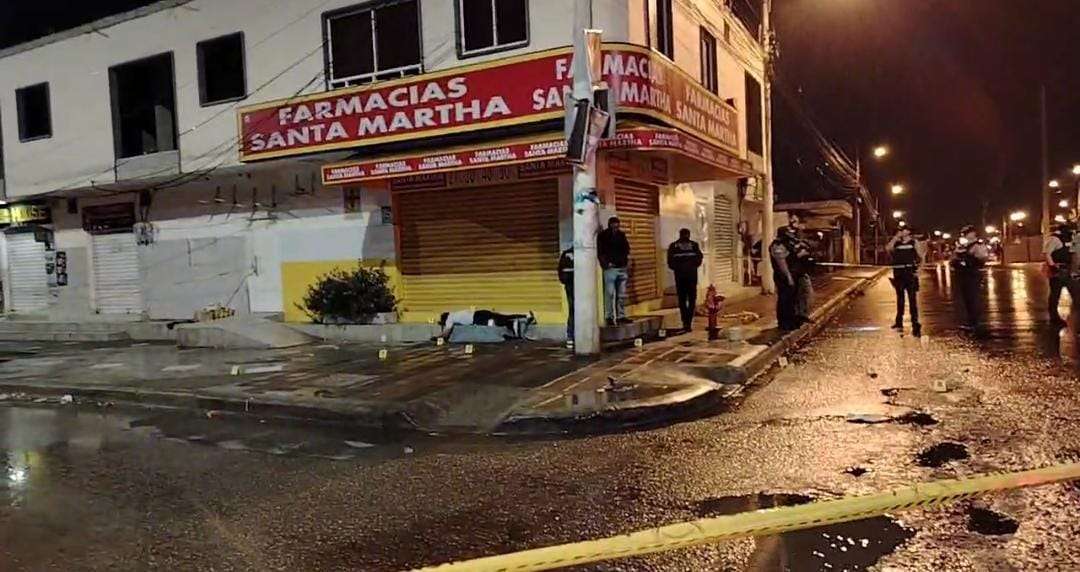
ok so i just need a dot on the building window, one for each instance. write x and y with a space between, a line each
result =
143 106
373 43
754 127
221 69
709 77
35 117
487 26
665 27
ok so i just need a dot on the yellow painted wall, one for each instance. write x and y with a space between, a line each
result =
296 277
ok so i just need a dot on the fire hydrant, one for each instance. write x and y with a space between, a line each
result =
713 303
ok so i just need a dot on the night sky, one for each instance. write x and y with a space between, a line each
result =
951 85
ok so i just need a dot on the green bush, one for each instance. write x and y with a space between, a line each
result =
349 297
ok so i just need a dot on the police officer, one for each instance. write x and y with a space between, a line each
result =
782 253
566 278
906 259
1056 250
684 257
804 262
969 259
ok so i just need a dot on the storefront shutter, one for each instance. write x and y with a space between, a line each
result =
638 207
117 282
723 240
491 248
29 282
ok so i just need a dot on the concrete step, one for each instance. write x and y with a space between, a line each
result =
11 330
643 326
239 333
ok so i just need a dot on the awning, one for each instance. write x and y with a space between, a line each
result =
695 160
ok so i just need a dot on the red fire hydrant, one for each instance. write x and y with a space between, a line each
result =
713 303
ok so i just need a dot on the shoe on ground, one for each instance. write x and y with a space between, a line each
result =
916 330
898 326
569 344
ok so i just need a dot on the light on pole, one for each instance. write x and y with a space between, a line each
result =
881 151
938 233
898 189
898 215
946 236
1076 170
1018 216
1055 184
991 229
1063 203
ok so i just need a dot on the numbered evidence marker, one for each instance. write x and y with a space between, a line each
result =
662 334
468 349
783 361
639 343
440 342
384 354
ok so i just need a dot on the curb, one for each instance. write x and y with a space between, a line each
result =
644 415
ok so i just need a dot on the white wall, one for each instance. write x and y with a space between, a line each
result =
283 40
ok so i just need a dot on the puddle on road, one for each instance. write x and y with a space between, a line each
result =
942 453
851 546
990 523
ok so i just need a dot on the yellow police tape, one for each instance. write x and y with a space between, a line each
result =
761 522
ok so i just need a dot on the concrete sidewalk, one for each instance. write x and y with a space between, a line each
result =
522 387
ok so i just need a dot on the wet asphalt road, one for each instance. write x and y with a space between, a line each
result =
82 489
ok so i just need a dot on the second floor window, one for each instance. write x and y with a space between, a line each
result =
491 25
143 106
665 27
373 43
35 117
709 76
754 119
221 69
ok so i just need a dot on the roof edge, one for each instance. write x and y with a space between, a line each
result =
95 26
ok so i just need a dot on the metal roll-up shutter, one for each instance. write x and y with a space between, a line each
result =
723 239
490 247
117 281
638 207
29 282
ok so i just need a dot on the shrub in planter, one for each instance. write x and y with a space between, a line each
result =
349 297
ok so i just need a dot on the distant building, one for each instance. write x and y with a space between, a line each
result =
199 152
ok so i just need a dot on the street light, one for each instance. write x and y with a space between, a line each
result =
1055 184
1060 219
1076 170
902 224
1063 203
946 236
881 151
937 233
991 229
1018 216
898 215
898 189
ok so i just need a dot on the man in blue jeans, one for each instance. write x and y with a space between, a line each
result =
613 250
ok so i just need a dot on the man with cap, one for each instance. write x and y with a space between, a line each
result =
684 258
1058 257
969 259
782 253
906 259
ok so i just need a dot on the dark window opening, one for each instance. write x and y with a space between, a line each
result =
35 117
754 120
487 25
221 69
144 106
665 28
749 13
372 44
709 74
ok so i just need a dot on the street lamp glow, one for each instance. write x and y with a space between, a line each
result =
946 236
1018 216
1076 170
937 233
1063 203
1060 218
991 229
898 215
1054 184
902 224
881 151
898 189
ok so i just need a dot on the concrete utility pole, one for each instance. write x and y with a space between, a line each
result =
1045 192
767 232
585 204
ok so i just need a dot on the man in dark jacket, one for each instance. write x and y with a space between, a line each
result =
566 277
613 251
684 258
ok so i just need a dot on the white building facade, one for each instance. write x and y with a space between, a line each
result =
229 152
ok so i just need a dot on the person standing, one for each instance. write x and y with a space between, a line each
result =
684 257
782 252
969 259
906 259
800 269
1056 250
613 252
566 277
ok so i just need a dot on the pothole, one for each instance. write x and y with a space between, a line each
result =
942 453
990 523
919 418
856 471
852 546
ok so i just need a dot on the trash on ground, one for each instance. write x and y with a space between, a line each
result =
67 400
868 418
359 444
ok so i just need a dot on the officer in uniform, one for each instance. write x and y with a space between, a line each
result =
906 259
684 257
969 259
804 262
782 253
1056 250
